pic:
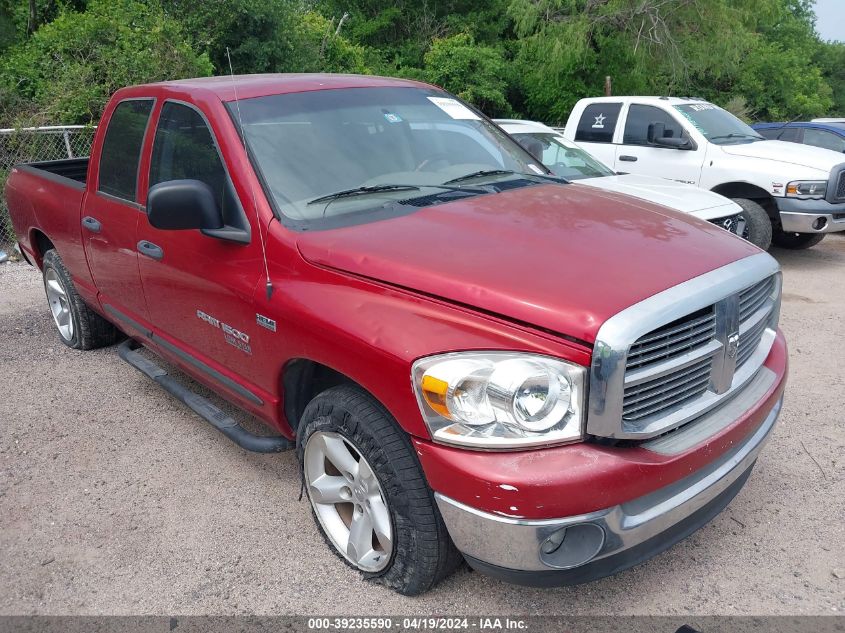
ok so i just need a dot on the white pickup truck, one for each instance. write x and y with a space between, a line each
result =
567 160
792 194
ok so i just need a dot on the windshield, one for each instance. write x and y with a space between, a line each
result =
565 160
324 154
717 125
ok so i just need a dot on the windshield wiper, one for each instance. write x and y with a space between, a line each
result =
346 193
357 191
479 174
735 135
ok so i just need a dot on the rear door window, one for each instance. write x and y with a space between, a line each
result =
640 117
823 138
598 121
121 150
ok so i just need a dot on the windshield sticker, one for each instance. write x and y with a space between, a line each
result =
688 116
392 118
599 124
454 108
536 169
698 107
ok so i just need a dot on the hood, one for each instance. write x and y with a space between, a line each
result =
701 203
787 153
561 257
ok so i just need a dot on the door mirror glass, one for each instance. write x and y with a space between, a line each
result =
183 204
656 130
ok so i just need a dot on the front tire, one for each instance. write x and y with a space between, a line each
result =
758 224
78 326
796 241
370 499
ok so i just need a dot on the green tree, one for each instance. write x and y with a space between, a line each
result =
474 73
267 36
67 70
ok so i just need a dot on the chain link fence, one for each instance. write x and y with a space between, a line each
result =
25 145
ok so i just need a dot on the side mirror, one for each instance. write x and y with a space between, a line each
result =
669 141
656 135
177 205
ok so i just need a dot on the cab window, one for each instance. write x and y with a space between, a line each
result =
598 121
121 151
184 148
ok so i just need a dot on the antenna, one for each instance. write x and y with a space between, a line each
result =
269 284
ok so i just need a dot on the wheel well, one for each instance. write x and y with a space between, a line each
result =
40 244
303 379
752 192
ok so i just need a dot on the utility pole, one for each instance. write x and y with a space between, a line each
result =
607 86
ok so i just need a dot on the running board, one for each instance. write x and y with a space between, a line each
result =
202 406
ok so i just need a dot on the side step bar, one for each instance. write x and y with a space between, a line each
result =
202 406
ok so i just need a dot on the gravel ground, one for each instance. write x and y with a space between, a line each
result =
114 499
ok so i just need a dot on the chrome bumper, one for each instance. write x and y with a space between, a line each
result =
810 216
607 540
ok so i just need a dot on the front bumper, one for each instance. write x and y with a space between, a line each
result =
810 216
577 549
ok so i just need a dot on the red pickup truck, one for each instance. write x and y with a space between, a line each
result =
471 357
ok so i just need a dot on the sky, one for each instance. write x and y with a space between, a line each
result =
830 19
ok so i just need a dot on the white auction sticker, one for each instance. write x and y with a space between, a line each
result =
453 108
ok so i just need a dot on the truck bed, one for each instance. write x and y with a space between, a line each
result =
73 169
45 203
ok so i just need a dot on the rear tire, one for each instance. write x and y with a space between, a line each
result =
345 423
796 241
758 224
78 325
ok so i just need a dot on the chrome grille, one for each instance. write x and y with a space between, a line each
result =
655 395
754 298
673 339
751 324
686 364
748 342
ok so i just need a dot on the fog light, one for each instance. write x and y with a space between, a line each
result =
819 223
572 546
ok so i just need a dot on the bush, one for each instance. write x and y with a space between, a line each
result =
68 69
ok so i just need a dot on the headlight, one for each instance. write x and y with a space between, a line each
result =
807 189
500 400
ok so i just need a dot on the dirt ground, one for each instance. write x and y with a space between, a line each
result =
115 499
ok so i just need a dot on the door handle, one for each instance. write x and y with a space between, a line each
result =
150 250
92 224
628 159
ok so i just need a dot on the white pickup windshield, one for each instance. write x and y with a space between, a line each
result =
310 146
717 125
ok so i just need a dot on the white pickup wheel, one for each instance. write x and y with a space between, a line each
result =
369 496
78 326
796 241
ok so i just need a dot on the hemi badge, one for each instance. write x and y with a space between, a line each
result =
265 322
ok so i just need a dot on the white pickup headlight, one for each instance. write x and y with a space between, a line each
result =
500 400
807 189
